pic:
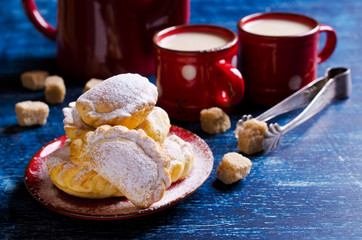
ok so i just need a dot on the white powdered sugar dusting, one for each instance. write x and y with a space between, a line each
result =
59 156
186 147
72 118
118 97
171 148
81 174
138 168
181 155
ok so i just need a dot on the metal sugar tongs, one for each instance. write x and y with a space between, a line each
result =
336 84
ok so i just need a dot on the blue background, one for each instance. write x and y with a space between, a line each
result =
308 188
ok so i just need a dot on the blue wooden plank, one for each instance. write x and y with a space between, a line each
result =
308 188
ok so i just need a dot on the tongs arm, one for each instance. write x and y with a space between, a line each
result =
338 86
297 100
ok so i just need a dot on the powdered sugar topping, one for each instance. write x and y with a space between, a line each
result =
117 97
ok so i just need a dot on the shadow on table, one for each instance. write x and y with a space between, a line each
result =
12 69
220 186
30 220
16 128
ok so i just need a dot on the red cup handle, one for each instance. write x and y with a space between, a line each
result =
331 43
36 18
229 90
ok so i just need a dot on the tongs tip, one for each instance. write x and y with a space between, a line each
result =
336 83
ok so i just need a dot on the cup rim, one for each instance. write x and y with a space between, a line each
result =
179 28
282 15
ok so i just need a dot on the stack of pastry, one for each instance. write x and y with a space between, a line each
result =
119 144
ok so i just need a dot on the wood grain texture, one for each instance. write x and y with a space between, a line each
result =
308 188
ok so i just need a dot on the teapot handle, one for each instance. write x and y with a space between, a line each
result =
37 19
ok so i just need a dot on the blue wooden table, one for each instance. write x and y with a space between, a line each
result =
308 188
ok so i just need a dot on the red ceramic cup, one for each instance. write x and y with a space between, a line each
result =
103 38
191 80
274 67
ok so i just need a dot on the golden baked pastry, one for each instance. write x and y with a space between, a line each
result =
73 125
130 160
124 99
75 180
181 156
156 125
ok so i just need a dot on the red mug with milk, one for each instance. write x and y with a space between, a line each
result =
196 69
101 38
279 53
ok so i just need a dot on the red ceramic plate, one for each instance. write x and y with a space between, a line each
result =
40 186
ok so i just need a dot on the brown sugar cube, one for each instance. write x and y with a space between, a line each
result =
54 89
34 80
251 135
233 167
214 120
91 83
29 113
